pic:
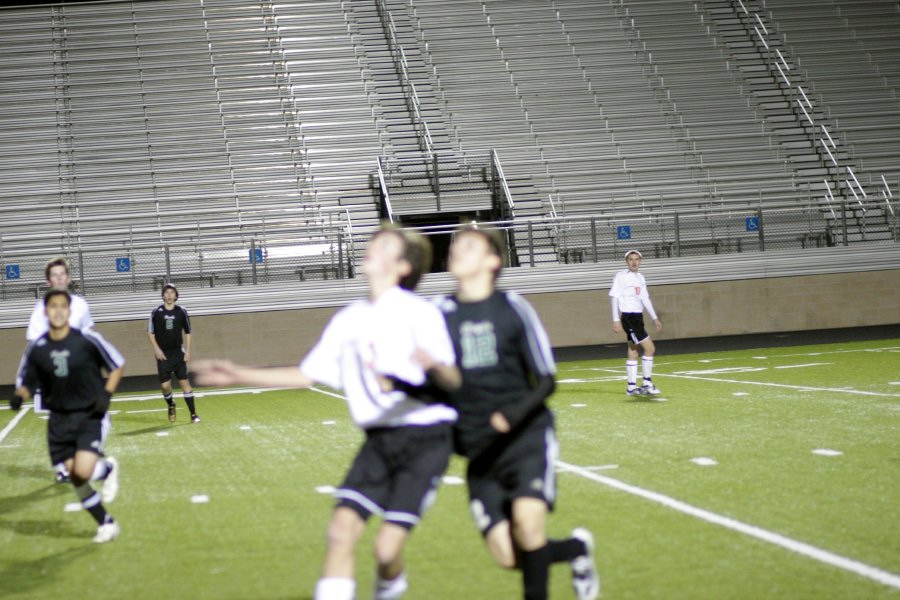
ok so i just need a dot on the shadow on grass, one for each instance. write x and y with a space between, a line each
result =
30 471
25 576
10 504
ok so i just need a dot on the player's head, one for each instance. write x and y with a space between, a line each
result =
395 254
633 260
475 251
56 306
57 274
169 293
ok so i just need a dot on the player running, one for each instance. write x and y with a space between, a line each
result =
408 443
505 428
57 275
167 323
66 363
629 298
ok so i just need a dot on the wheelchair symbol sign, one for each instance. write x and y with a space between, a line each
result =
752 223
13 272
256 255
623 232
123 265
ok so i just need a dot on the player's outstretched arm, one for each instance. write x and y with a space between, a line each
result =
446 377
224 372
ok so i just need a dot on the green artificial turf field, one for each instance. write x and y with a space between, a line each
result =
771 473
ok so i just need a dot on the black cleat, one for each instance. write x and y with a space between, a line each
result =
195 419
62 477
171 413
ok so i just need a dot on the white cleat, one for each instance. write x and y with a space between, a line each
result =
585 578
111 484
392 589
107 533
650 389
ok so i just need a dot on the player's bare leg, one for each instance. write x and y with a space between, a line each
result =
391 581
344 531
500 545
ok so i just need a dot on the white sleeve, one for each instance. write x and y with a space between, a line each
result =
82 316
615 288
616 313
37 325
431 335
323 363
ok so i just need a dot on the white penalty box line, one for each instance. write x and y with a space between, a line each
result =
824 556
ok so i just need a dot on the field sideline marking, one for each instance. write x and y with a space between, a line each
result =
15 421
881 576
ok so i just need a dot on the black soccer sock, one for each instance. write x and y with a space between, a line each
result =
168 399
90 500
536 573
566 550
189 400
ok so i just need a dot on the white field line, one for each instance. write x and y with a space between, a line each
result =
805 388
874 573
802 366
204 394
15 421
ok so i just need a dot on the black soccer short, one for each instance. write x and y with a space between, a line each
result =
69 432
173 365
633 324
523 468
397 472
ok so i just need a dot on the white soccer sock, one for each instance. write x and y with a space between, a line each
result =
648 366
335 588
391 589
631 370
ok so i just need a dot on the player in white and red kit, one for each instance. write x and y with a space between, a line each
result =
629 298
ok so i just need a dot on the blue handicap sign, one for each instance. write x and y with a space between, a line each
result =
123 264
13 272
256 255
623 232
752 223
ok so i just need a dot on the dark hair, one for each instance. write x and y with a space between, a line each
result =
169 286
56 262
416 251
53 293
494 242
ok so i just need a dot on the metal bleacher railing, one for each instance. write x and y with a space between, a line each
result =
282 254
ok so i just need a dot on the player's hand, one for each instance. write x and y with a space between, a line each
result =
15 403
658 324
215 372
102 403
160 355
499 423
187 356
617 326
423 359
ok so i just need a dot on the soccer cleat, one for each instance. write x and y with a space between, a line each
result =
650 389
633 391
171 413
391 589
63 477
195 419
111 483
107 532
585 578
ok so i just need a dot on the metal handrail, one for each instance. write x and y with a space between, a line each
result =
495 160
385 194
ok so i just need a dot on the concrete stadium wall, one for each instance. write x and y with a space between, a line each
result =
571 318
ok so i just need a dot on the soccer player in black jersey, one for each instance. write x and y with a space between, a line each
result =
505 428
66 364
172 351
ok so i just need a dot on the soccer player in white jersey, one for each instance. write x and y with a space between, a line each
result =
57 275
393 333
629 298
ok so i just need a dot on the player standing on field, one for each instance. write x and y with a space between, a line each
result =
505 428
57 275
629 298
408 443
66 363
172 351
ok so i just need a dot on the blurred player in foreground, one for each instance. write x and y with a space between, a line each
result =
67 365
408 443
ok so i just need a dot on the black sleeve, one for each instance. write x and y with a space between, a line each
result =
27 374
187 321
518 413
